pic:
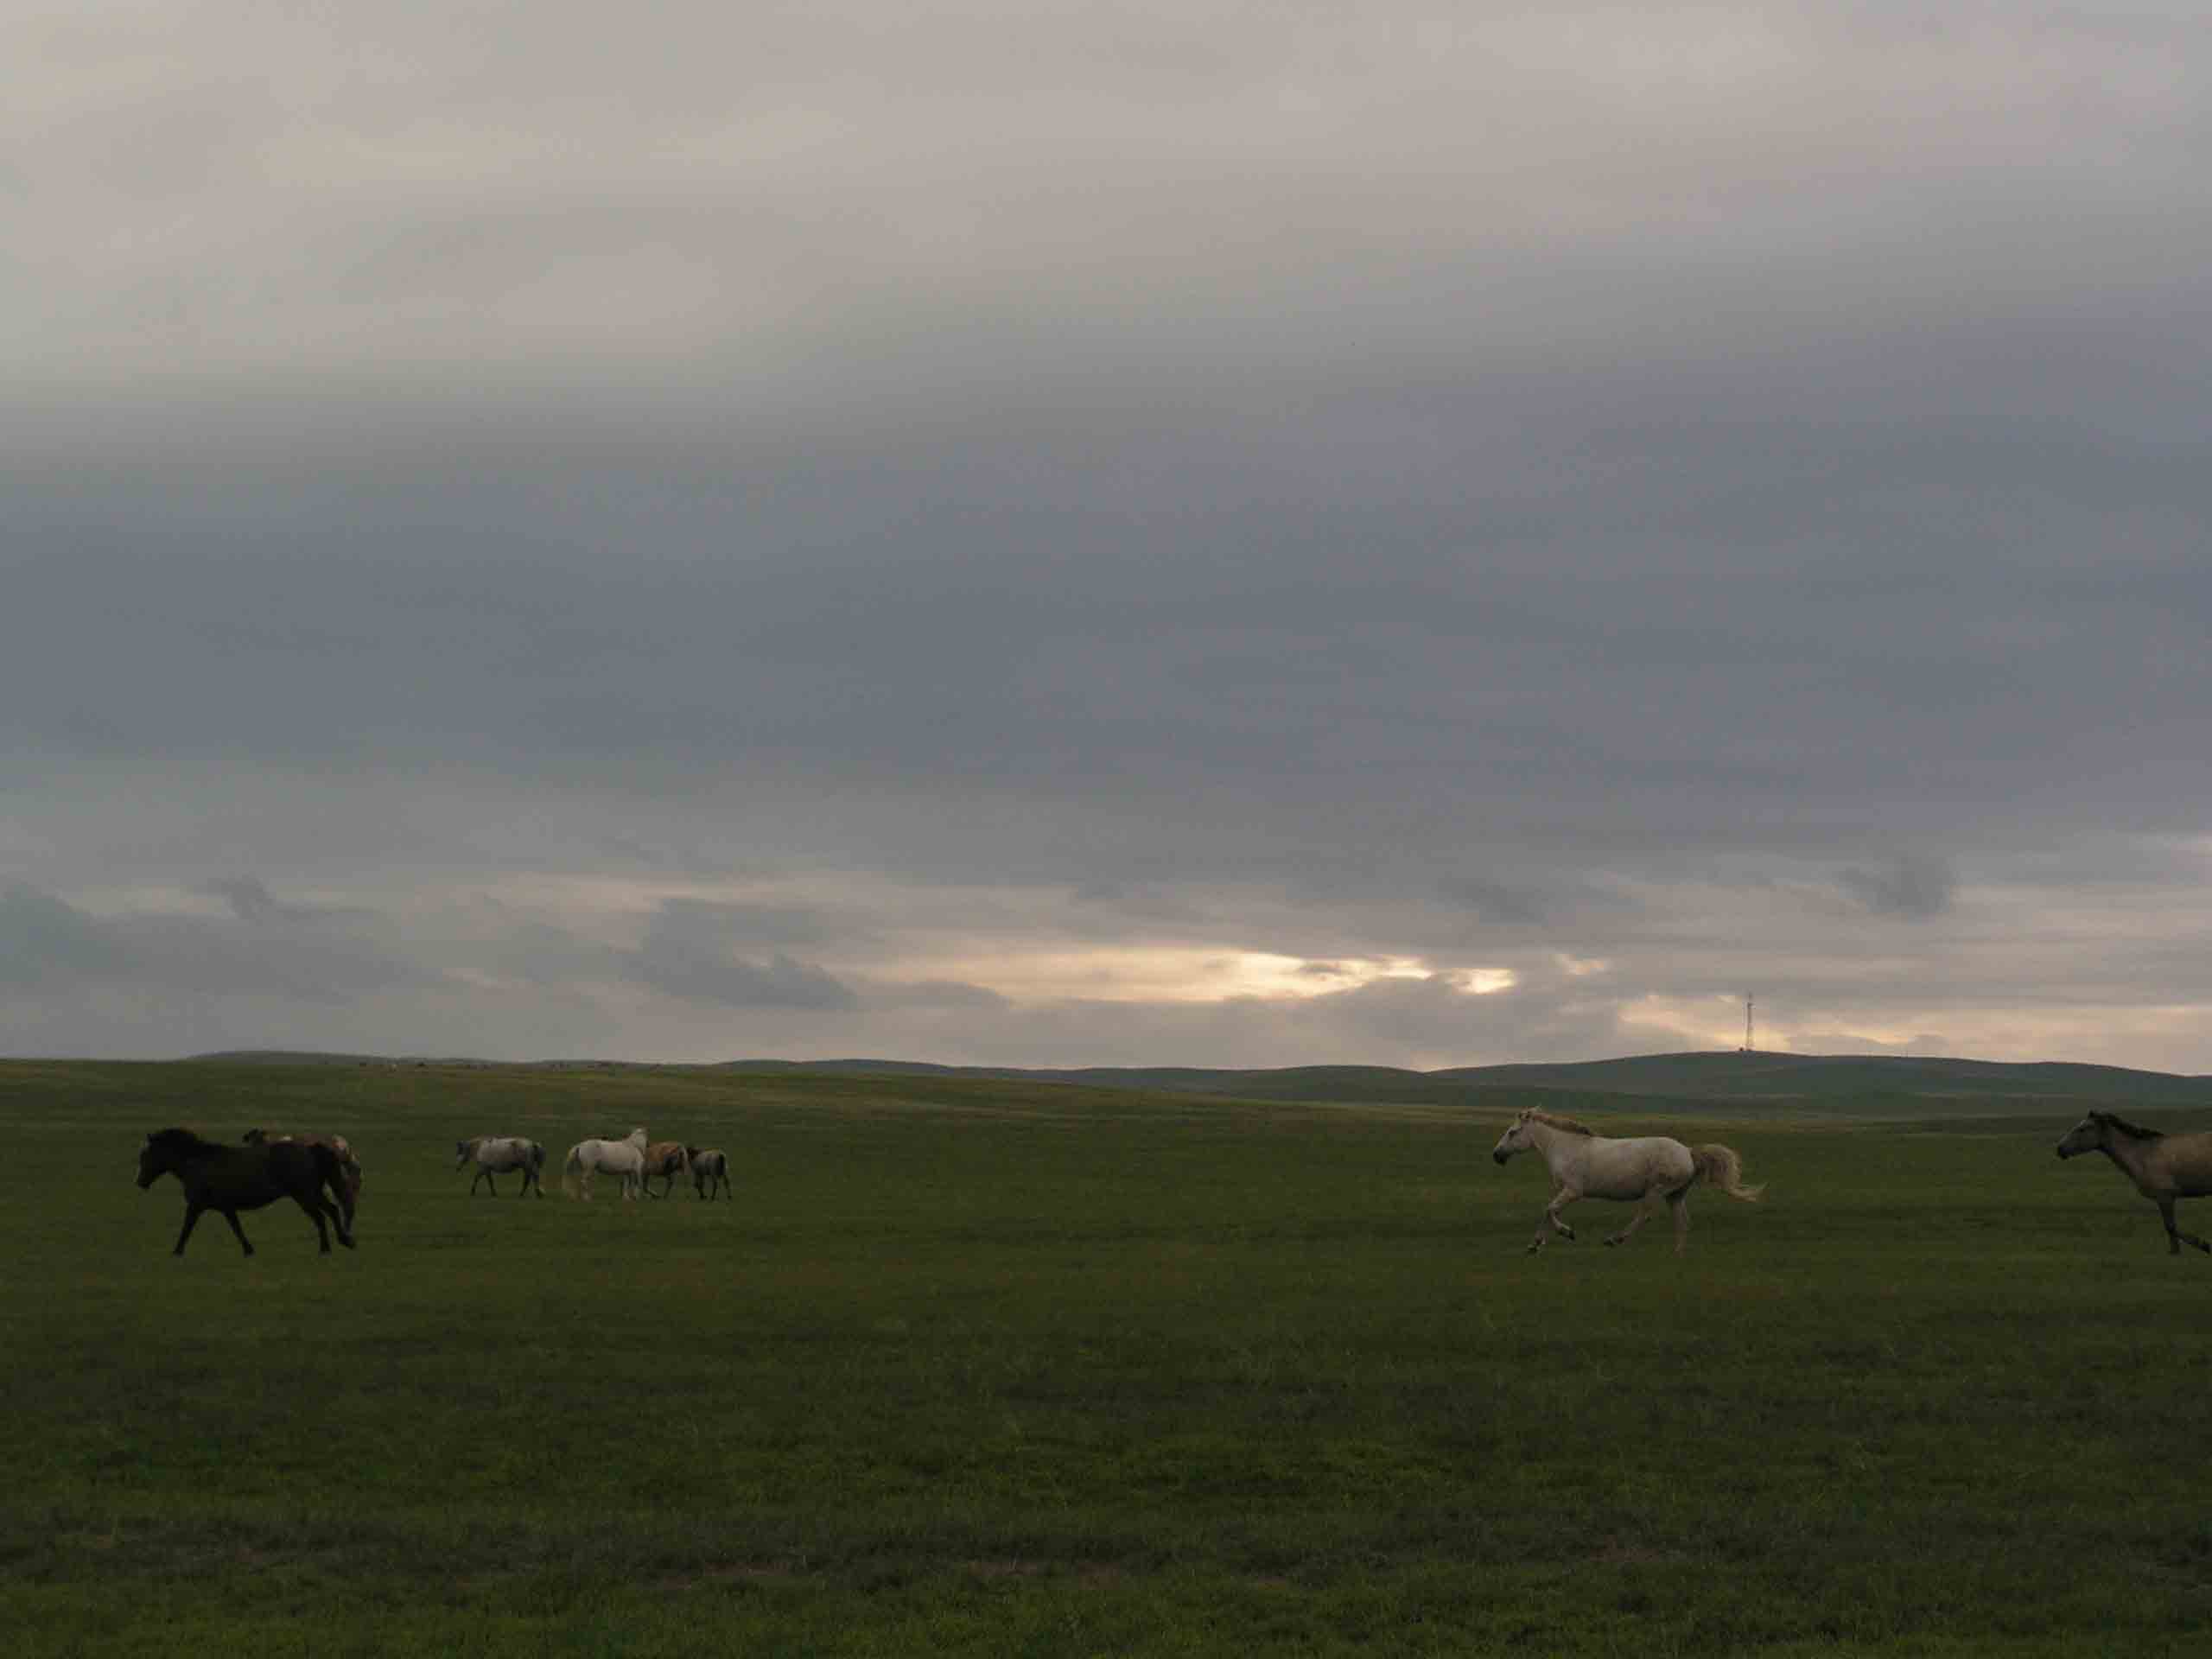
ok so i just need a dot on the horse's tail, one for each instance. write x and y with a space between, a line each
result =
1719 1166
332 1172
572 1168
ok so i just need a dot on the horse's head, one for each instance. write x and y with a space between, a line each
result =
2089 1135
462 1149
156 1157
1516 1138
637 1138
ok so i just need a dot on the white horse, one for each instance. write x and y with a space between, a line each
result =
625 1158
495 1154
2163 1166
1587 1165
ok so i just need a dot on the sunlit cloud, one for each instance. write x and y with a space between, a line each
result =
1175 975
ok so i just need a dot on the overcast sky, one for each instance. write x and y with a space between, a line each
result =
1039 533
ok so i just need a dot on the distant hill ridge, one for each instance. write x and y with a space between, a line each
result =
1751 1082
1805 1082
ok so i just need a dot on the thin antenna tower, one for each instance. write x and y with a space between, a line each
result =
1747 1025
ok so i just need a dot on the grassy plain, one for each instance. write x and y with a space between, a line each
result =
999 1368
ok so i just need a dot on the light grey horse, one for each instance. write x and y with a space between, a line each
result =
1587 1165
495 1154
2163 1166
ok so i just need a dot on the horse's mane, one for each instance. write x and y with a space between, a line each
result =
2134 1131
185 1140
1571 1125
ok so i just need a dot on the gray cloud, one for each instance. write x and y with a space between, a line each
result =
1473 491
690 951
45 942
1910 887
47 945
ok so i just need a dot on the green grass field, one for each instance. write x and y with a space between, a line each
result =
1000 1368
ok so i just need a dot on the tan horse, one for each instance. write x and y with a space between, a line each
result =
667 1160
1587 1165
2163 1166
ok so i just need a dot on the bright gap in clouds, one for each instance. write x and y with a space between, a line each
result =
1192 974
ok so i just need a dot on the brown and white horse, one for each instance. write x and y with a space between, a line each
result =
1587 1165
348 1190
2163 1166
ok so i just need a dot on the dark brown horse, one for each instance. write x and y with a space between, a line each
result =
709 1169
231 1179
347 1188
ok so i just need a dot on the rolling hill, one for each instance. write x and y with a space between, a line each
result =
1737 1083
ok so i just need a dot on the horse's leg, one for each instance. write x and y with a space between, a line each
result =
2175 1237
1642 1214
191 1220
1679 1202
314 1207
245 1244
1550 1221
1561 1199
